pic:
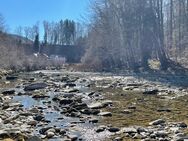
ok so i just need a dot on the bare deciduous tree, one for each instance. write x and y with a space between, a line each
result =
129 33
2 23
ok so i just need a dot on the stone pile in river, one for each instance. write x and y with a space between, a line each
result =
159 130
56 95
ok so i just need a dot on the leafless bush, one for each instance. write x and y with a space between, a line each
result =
12 57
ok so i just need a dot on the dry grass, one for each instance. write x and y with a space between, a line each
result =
146 109
12 56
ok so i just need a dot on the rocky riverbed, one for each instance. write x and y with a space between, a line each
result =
70 106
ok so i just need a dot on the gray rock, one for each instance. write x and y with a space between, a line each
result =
73 90
8 92
129 130
75 114
65 79
100 129
113 129
164 110
72 137
38 117
128 88
161 134
182 125
118 139
34 138
96 105
135 84
99 105
127 111
11 77
132 107
49 134
68 95
35 86
51 130
39 96
106 103
90 111
32 123
80 106
43 130
137 136
65 101
105 114
62 132
70 85
93 120
182 138
151 92
3 134
157 122
142 129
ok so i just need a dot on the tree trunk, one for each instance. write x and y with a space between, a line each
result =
171 23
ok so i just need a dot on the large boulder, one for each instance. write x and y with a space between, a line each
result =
99 105
35 86
157 122
151 92
8 92
105 114
113 129
66 101
34 138
11 77
182 138
129 130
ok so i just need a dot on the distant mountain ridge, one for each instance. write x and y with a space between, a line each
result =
8 40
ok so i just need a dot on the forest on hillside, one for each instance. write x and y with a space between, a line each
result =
128 33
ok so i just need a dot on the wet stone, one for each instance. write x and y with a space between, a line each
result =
49 134
129 130
11 77
32 123
65 101
93 120
157 122
105 114
118 139
39 96
164 110
161 134
43 130
113 129
71 90
151 92
132 107
72 137
100 129
127 111
62 132
8 92
182 125
35 86
70 85
99 105
38 117
90 111
34 138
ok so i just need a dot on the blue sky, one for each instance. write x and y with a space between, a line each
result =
28 12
